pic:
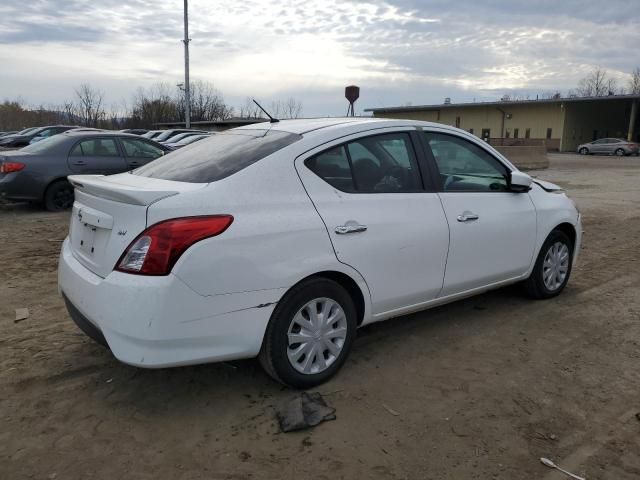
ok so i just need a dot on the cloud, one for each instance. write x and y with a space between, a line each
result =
398 51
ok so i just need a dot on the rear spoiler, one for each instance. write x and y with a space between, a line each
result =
133 190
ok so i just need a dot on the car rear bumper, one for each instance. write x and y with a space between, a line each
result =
18 186
156 322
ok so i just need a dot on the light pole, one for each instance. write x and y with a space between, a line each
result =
187 95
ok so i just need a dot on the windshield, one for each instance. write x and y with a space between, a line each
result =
27 130
217 157
45 145
191 139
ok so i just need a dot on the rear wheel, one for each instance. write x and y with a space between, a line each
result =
59 196
584 151
310 334
620 152
553 267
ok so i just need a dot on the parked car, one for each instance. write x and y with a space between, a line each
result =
4 134
609 146
135 131
186 141
281 242
179 136
38 172
25 137
170 133
152 134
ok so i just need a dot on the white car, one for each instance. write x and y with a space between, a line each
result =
280 240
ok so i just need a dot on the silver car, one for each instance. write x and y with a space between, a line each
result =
609 146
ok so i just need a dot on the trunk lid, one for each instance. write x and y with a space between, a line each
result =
109 212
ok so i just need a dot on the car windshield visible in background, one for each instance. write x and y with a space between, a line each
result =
27 130
45 144
217 157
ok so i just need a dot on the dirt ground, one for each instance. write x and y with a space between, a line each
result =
482 388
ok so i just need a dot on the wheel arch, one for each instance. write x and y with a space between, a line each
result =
568 229
50 183
353 288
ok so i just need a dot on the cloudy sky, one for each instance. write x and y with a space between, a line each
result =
398 51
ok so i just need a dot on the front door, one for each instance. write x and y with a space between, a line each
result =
382 219
493 230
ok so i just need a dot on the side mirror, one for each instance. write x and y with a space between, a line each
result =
519 182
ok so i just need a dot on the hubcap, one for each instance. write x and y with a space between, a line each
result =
556 266
316 336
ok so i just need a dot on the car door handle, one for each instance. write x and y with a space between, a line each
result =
344 229
80 162
468 217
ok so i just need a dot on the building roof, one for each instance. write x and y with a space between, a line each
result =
413 108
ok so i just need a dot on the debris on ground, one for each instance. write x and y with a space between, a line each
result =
390 410
304 411
550 464
21 314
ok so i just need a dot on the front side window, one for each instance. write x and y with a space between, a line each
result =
96 147
464 166
140 149
218 157
377 164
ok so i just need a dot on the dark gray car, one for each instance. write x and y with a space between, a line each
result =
39 172
608 146
32 135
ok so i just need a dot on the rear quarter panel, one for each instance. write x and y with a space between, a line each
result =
276 239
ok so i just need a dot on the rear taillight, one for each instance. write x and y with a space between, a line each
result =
156 250
8 167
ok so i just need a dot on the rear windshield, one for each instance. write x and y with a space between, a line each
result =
46 144
217 157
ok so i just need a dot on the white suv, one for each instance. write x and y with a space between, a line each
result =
280 240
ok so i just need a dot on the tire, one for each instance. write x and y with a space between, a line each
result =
619 152
584 151
535 286
283 360
59 196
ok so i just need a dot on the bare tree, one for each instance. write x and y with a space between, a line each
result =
88 108
598 83
250 109
206 103
634 82
289 108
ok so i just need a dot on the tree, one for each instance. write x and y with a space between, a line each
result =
206 103
598 83
289 108
634 82
250 109
89 109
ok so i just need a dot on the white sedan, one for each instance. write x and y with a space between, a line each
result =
280 240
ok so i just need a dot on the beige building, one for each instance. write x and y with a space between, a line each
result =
559 123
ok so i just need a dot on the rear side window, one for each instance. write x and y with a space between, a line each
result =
140 149
377 164
97 147
217 157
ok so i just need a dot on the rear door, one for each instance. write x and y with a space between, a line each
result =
383 218
96 155
493 230
139 152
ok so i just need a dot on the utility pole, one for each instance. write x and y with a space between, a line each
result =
187 93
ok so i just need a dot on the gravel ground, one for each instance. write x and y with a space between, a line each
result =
481 388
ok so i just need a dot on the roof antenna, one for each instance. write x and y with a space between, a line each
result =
271 119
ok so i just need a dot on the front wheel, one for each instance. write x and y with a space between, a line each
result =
553 267
584 151
310 334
